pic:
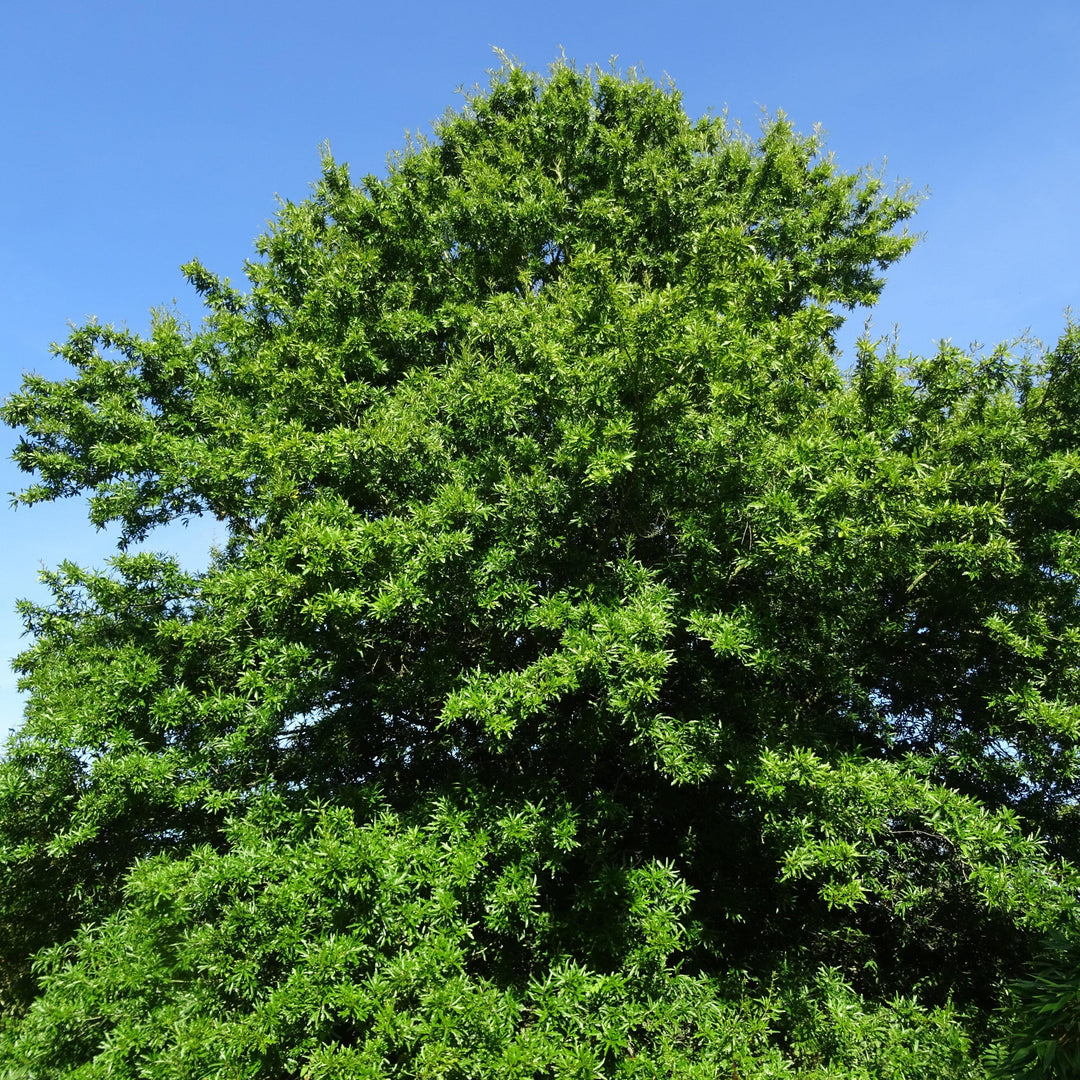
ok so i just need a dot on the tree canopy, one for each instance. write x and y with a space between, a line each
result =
599 679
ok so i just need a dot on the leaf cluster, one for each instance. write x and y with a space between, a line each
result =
597 677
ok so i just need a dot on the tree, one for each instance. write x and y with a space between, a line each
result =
597 679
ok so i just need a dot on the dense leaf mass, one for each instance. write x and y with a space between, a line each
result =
598 679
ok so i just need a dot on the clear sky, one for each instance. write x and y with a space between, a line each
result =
137 135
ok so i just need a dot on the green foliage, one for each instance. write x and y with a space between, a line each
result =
315 946
1044 1017
597 679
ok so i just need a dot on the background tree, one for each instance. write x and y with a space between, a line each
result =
596 680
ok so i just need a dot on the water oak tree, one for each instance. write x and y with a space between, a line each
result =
598 679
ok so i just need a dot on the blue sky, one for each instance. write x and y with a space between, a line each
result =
138 135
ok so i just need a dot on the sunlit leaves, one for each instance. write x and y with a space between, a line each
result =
597 678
